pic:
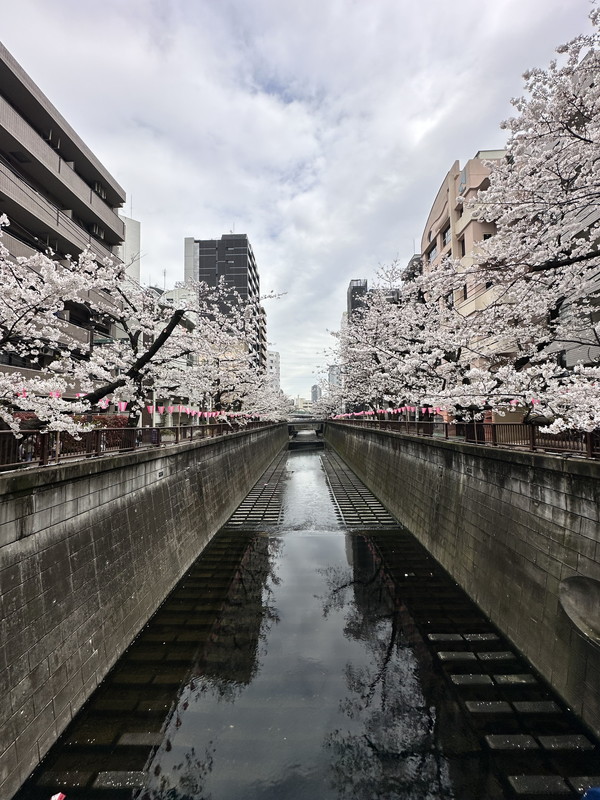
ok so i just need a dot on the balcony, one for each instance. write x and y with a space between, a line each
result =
45 221
46 168
462 222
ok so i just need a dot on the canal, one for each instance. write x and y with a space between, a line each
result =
315 650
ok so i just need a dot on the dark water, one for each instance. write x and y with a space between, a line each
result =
305 660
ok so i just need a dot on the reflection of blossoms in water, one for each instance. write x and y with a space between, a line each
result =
222 669
186 779
390 748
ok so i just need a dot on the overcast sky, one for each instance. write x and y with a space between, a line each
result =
321 128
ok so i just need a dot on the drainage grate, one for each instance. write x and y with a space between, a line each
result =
356 506
262 506
537 746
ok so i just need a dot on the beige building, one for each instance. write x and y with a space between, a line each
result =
451 231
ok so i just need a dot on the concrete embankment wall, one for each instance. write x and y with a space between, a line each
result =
87 553
514 529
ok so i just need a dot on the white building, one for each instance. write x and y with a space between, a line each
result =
274 369
129 251
301 403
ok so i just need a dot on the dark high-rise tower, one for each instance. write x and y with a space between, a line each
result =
357 290
230 259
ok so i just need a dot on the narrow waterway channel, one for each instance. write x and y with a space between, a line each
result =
315 650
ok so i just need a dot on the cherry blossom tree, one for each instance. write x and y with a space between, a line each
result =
544 260
137 343
543 265
35 333
406 344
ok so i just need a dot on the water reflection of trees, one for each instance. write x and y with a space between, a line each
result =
222 668
390 748
185 780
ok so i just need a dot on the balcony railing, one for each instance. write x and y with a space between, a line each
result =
512 435
33 448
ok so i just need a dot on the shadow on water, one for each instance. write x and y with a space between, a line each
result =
293 661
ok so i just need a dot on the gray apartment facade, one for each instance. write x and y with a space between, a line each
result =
53 189
229 259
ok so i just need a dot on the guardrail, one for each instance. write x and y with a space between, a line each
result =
33 448
511 435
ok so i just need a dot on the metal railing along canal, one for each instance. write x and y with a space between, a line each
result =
512 435
34 448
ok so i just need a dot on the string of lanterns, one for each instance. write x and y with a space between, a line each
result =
151 409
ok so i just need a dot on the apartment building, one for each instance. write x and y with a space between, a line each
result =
274 369
355 295
451 231
53 189
130 251
230 260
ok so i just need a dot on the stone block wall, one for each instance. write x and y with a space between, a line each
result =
88 551
510 527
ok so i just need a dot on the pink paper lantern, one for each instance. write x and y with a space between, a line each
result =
171 409
150 409
161 409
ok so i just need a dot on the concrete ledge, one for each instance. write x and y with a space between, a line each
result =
88 551
511 527
30 478
558 462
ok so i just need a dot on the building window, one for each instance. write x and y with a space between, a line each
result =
462 247
487 236
432 253
465 292
446 236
